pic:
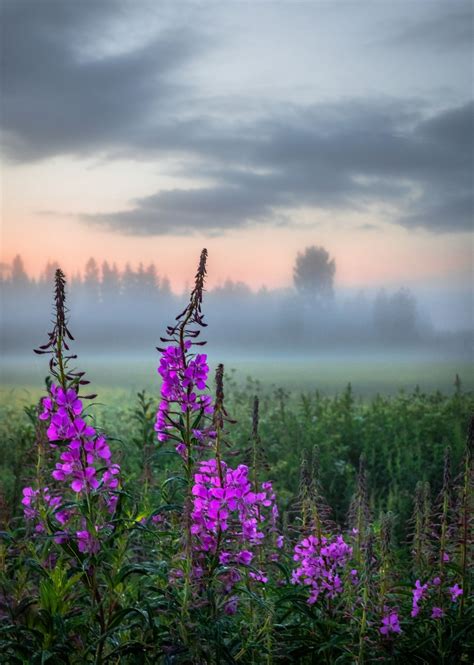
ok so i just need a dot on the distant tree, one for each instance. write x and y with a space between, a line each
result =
91 281
151 280
47 277
313 274
75 282
18 273
165 287
110 285
128 281
232 289
395 316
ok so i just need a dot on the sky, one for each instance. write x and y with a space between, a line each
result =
142 131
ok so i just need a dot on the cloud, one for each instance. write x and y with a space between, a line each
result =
72 85
446 27
209 210
333 157
63 93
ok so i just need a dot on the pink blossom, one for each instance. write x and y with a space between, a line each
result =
390 624
455 592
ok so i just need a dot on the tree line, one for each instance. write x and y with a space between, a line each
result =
135 302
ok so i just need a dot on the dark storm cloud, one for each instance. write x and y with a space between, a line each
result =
341 157
56 99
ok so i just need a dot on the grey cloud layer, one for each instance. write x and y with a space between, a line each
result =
342 156
56 101
425 171
451 28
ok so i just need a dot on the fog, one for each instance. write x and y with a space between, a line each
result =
117 320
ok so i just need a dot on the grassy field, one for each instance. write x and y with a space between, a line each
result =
369 374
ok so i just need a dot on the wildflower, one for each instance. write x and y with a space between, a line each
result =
29 498
419 593
225 558
87 543
231 604
184 375
455 592
390 624
320 561
84 479
354 577
437 613
68 399
84 452
244 557
61 428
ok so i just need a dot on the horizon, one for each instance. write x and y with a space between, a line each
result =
140 135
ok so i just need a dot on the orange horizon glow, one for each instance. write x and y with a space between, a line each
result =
369 252
262 257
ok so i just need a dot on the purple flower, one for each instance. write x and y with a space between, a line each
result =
320 561
390 624
61 427
225 558
68 399
109 478
82 429
231 604
455 592
181 381
97 449
437 613
84 479
419 593
196 372
48 408
87 543
244 557
29 499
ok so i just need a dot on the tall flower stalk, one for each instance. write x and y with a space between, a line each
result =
466 539
75 508
359 512
184 401
85 461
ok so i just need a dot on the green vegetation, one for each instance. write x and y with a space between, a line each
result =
402 437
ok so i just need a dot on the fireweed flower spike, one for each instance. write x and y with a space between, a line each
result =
184 402
85 460
229 518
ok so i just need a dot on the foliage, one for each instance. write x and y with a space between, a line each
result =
315 530
313 274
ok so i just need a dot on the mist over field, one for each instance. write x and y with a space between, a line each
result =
378 339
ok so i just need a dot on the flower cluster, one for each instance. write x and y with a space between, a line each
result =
422 592
183 380
229 518
320 563
35 500
85 448
85 463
